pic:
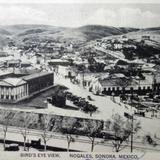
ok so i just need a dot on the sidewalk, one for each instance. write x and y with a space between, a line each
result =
81 143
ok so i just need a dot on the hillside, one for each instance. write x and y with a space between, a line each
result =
154 34
4 32
16 29
20 33
97 31
80 34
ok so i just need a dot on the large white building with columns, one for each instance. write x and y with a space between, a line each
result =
15 89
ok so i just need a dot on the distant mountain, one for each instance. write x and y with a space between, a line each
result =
4 37
21 33
4 32
127 29
98 31
151 29
154 31
16 29
154 34
84 33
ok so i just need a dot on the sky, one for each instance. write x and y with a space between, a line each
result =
136 15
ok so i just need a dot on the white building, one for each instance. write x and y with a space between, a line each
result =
13 89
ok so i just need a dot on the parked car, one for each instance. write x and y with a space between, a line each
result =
140 113
36 143
108 136
12 147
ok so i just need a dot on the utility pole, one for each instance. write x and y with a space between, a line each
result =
131 117
132 130
83 78
132 133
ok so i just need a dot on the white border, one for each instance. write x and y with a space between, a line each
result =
81 1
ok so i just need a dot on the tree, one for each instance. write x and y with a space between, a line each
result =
121 129
47 123
25 120
6 118
69 126
92 128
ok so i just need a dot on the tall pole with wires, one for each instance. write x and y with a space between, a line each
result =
131 117
132 120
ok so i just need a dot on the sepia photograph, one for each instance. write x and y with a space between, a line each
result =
79 78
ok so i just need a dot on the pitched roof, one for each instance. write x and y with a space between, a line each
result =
118 75
114 82
120 82
12 82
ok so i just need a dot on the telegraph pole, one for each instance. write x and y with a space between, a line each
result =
132 134
83 78
132 127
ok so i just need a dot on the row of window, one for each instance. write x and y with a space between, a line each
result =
123 88
39 84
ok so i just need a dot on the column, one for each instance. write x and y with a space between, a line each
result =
16 92
22 90
27 89
9 93
13 93
4 92
19 92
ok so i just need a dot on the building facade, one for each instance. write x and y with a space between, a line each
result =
38 82
13 90
109 87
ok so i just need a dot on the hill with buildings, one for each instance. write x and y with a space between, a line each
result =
46 38
82 34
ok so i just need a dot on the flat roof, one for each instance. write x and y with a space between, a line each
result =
35 75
